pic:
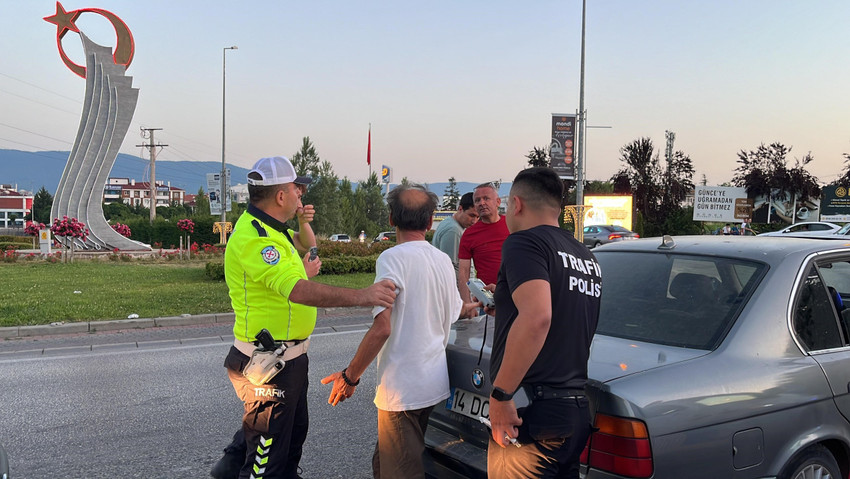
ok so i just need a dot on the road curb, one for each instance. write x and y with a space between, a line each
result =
13 332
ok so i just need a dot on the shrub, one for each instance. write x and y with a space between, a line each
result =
379 248
215 270
348 264
10 256
335 248
8 245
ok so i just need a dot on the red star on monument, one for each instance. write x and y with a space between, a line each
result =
63 20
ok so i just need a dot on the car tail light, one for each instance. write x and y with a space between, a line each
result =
619 446
614 236
637 236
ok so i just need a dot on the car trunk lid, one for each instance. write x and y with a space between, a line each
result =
612 358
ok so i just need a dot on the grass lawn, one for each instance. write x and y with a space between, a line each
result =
41 293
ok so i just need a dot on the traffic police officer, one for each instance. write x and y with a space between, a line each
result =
269 289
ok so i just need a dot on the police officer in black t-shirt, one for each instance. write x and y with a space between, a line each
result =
547 306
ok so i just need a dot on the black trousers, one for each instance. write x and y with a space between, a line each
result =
553 435
276 419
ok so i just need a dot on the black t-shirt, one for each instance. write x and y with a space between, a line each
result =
551 254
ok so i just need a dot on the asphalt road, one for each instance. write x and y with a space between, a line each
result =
157 403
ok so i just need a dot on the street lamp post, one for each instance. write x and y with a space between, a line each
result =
579 166
223 178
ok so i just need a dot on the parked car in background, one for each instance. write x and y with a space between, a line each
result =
384 236
596 235
844 231
342 238
806 228
712 359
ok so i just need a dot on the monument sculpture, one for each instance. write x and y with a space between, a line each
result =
110 102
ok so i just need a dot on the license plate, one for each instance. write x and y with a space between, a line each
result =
468 404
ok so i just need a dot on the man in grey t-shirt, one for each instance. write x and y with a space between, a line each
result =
448 233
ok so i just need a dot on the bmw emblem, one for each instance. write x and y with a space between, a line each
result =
477 378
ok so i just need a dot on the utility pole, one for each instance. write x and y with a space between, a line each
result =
147 133
581 121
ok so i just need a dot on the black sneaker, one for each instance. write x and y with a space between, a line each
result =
228 466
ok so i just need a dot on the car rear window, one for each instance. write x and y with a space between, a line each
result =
678 300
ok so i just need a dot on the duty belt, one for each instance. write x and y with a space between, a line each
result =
293 348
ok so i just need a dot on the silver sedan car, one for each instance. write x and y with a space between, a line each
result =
715 357
807 228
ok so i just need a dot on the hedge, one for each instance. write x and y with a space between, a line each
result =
348 264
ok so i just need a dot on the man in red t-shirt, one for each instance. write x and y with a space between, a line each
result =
481 243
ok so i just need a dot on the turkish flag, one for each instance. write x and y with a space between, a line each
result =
369 148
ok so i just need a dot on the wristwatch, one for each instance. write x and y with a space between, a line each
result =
500 394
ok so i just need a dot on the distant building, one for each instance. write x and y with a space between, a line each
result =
128 191
14 206
239 193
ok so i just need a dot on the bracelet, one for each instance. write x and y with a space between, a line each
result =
349 381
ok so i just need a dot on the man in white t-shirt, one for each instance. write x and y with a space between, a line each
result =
408 339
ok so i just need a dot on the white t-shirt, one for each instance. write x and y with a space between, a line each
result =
412 369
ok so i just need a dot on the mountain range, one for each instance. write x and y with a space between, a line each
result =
30 170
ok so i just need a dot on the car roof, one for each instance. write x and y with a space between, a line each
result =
769 249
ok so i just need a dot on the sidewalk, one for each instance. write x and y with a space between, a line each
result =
146 332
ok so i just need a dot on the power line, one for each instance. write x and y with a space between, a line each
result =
36 134
41 88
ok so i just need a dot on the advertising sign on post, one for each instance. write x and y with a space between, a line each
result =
561 157
835 205
215 189
721 203
385 174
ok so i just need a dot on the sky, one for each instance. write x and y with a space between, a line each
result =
459 89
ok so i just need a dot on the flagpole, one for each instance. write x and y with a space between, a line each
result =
369 151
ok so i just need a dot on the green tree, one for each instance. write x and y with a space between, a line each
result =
322 194
641 173
42 202
657 192
306 160
538 157
451 195
677 183
370 209
598 187
202 204
345 200
764 172
844 178
117 211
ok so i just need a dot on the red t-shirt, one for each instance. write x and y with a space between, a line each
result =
482 243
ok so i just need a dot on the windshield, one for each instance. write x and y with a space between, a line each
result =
677 300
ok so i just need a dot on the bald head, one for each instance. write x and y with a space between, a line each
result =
411 207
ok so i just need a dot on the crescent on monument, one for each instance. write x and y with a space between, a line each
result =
64 21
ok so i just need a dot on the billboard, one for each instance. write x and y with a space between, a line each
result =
215 189
725 204
561 157
785 208
386 171
835 205
608 210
